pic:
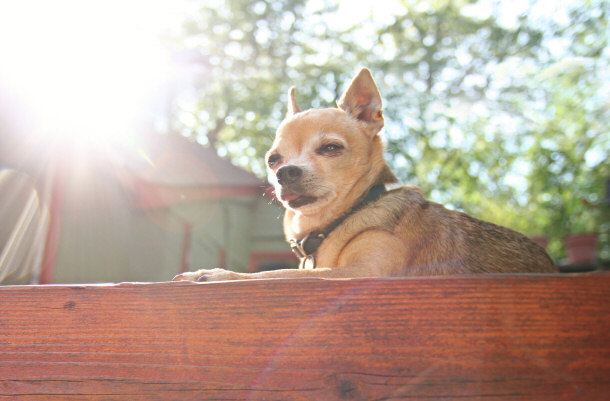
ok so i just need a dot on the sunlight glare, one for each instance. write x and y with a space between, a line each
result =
85 69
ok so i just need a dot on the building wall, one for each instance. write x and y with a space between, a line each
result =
104 239
237 227
96 230
219 231
269 249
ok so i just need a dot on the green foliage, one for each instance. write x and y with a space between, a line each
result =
504 118
569 156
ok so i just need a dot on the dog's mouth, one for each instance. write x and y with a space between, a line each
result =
296 200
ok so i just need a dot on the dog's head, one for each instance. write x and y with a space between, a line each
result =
324 160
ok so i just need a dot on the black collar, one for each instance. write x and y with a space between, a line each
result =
305 248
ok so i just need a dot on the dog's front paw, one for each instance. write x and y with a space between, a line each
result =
207 275
189 276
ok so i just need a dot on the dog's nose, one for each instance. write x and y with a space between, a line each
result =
288 174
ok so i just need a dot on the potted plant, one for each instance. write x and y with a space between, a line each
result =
581 243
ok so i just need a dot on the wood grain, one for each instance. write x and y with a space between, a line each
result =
493 337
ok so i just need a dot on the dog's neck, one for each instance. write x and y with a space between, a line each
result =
298 226
305 248
372 195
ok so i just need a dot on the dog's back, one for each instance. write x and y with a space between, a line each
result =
434 240
443 241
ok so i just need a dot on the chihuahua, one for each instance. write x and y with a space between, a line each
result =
341 221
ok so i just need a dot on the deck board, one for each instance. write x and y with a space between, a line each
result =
484 337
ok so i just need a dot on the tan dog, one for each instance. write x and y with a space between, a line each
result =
330 175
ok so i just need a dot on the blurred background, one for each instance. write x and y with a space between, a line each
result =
132 133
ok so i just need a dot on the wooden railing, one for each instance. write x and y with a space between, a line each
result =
484 337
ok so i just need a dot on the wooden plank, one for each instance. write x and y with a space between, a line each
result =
487 337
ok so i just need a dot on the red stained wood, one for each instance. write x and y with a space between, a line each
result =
505 337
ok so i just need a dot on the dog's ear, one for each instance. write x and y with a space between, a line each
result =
363 101
293 108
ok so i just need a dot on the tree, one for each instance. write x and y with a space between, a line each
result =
248 54
569 152
482 99
451 129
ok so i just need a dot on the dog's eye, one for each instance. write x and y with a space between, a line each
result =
273 160
330 149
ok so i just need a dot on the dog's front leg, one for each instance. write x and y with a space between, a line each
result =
373 253
208 275
224 275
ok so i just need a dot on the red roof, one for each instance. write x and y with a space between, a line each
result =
169 169
173 160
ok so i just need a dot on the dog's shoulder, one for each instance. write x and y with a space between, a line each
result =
385 214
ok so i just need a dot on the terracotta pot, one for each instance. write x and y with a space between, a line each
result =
581 248
541 240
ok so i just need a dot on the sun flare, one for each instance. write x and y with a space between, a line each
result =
85 70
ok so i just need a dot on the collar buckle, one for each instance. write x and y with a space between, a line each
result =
305 248
297 248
